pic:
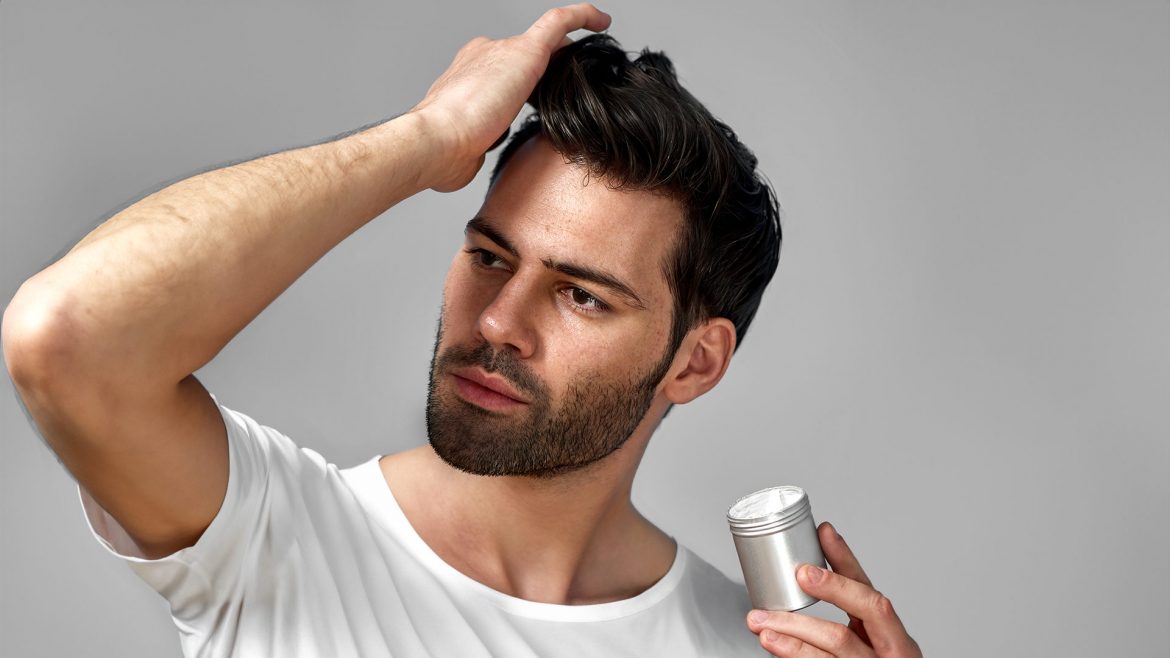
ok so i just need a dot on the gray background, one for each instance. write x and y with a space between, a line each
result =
961 358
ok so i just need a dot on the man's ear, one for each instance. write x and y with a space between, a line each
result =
704 354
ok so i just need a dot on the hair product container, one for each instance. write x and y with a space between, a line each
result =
774 532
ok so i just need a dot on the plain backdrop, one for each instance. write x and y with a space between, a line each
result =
963 356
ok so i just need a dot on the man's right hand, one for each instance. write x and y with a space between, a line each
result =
476 99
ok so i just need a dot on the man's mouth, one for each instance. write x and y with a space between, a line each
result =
486 390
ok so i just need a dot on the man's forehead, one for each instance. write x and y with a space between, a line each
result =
558 210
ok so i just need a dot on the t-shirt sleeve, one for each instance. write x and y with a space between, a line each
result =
262 465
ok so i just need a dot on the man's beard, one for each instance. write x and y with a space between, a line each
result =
594 418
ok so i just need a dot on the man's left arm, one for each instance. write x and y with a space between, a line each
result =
874 629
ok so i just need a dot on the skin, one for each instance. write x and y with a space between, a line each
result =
102 344
874 628
559 539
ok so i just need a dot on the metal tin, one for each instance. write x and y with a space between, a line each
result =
774 532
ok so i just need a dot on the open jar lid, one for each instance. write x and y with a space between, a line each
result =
771 509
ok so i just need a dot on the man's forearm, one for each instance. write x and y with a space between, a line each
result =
155 292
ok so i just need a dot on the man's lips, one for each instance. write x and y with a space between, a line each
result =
486 389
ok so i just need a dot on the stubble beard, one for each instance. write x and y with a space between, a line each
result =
594 418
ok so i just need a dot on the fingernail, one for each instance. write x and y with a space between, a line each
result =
814 574
770 635
758 616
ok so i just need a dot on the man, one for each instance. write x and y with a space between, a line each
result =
611 272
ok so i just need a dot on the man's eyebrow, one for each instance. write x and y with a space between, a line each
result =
480 224
600 278
483 226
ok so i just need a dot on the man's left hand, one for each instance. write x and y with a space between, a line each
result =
874 629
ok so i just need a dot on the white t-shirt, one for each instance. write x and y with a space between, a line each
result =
305 559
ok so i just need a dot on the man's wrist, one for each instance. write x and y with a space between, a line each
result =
413 136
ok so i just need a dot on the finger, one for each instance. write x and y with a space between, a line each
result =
844 562
532 97
839 555
802 635
786 646
876 612
556 23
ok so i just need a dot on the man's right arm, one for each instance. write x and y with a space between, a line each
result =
102 343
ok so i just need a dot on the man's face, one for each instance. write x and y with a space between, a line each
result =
558 302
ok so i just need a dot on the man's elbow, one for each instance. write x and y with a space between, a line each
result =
34 341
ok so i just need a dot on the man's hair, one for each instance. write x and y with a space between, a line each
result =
632 124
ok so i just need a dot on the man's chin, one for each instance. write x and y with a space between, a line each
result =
471 461
495 469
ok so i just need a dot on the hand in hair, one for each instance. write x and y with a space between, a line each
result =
469 108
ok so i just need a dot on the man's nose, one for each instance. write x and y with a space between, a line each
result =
510 319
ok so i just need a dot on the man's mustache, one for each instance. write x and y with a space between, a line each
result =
501 362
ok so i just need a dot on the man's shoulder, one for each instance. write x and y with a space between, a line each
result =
713 584
719 605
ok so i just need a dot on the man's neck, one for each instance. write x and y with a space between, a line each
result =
571 540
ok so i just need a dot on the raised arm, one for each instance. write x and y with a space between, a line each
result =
102 343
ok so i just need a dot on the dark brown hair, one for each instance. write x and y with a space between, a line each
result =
633 124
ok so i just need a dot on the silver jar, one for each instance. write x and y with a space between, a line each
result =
774 532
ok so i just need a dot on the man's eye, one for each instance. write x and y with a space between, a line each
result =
486 259
586 301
